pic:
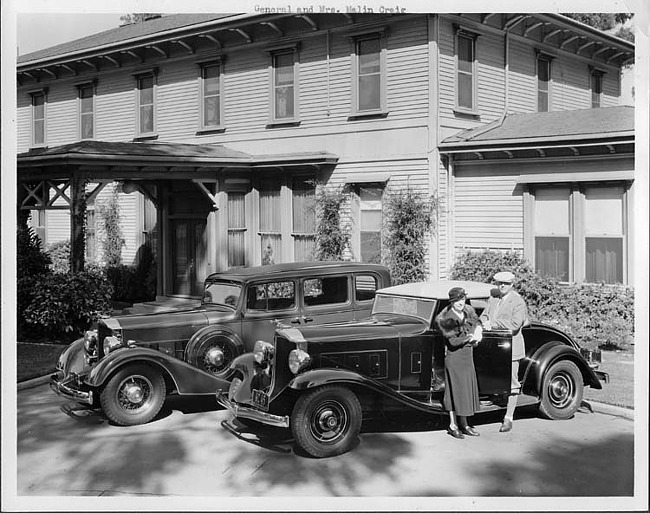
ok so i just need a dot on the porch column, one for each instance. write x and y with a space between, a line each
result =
77 224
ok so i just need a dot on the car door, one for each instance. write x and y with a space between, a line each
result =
492 360
265 304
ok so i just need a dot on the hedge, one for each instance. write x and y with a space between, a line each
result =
595 315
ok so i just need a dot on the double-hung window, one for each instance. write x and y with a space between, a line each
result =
466 72
39 103
369 74
236 228
146 104
370 221
596 79
552 232
270 221
304 219
86 99
211 96
604 234
284 85
543 82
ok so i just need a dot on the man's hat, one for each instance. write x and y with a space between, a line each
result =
456 293
504 276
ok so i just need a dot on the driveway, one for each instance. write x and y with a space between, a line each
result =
186 453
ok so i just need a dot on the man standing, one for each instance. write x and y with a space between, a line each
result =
507 311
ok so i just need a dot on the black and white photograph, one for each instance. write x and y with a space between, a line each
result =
328 256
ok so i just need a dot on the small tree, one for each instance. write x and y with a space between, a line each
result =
109 211
331 238
409 219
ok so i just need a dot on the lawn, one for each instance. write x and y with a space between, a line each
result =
35 360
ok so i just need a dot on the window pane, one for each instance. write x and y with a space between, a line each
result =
270 220
271 296
365 287
368 51
369 92
371 220
211 112
543 69
146 119
284 104
236 229
604 211
465 91
39 131
326 291
552 257
304 207
465 54
604 260
552 211
87 126
146 91
283 65
211 80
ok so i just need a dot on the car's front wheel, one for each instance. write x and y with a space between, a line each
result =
326 421
562 390
134 395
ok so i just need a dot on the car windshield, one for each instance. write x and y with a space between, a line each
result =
415 307
222 293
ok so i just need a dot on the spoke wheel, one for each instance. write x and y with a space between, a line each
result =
562 391
214 354
326 421
134 395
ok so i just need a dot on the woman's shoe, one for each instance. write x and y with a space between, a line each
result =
470 431
455 433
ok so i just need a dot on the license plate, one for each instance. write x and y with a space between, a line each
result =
260 399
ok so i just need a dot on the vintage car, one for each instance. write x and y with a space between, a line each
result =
323 381
129 363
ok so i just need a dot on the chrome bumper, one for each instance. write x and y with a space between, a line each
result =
63 389
245 412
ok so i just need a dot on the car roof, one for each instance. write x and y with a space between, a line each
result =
439 289
297 268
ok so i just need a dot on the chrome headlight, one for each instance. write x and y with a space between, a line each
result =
298 360
110 344
90 342
263 351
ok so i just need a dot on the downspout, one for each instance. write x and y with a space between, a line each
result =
328 71
507 70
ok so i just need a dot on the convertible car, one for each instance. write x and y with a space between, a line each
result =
323 381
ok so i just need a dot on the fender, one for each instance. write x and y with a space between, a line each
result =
547 355
187 378
206 332
319 377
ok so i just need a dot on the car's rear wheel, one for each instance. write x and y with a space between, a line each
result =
326 421
214 353
134 395
562 390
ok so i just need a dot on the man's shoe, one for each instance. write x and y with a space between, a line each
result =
455 433
470 431
505 426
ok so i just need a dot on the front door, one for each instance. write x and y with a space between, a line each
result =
493 361
189 256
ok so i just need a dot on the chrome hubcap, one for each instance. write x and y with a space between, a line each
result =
329 422
214 356
561 390
133 393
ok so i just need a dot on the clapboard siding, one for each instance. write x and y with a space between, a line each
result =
57 226
490 215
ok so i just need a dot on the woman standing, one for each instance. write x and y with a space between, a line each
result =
462 330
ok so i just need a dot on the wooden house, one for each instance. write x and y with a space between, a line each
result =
217 129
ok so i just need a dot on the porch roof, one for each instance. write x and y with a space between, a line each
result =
177 155
610 125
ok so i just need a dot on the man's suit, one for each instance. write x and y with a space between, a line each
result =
508 313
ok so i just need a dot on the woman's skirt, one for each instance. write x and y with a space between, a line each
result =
461 388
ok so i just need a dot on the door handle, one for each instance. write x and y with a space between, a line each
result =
307 319
295 320
503 344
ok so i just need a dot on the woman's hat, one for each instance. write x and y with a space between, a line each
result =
457 293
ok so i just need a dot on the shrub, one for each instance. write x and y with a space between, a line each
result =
133 284
66 303
31 263
331 239
409 220
596 316
60 255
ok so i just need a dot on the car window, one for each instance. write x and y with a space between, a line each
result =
365 287
415 307
325 291
277 295
221 293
